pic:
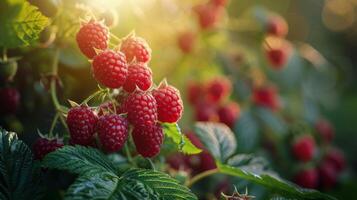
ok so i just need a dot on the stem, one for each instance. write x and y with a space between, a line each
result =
128 155
4 54
201 176
92 96
115 37
151 164
54 122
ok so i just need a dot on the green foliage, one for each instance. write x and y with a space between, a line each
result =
19 176
217 138
273 182
247 130
172 130
99 178
21 23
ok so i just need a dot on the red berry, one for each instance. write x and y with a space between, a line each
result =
110 68
141 108
304 148
186 41
92 35
218 89
9 100
136 48
169 103
112 132
328 175
229 113
109 108
219 2
307 178
148 140
206 112
325 130
81 123
208 15
266 96
139 76
336 158
43 146
277 57
194 92
277 26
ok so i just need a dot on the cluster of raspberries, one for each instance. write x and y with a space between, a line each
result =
140 107
210 101
320 162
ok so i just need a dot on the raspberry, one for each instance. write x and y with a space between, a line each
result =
141 108
136 48
229 113
277 26
266 96
303 148
186 41
110 68
112 131
148 140
194 92
169 103
325 130
81 123
43 146
328 175
139 75
109 108
208 15
92 35
206 112
336 158
277 52
9 101
219 2
307 178
218 89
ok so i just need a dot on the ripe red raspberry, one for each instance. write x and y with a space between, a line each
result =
43 146
328 175
229 114
139 75
9 101
278 52
141 108
307 178
136 48
218 89
336 158
303 148
205 111
186 41
169 103
81 123
148 140
110 68
277 26
208 15
325 130
112 132
266 96
92 35
194 92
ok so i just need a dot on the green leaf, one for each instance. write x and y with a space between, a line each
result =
21 23
217 138
172 130
247 130
272 120
273 182
79 160
19 176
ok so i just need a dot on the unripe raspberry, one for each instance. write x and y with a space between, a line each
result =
186 41
139 76
43 146
336 158
307 178
218 89
112 132
303 148
9 101
110 68
325 130
81 121
277 26
141 108
208 15
169 103
266 96
92 35
136 48
148 140
229 113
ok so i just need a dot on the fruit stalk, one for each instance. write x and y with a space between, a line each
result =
201 176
